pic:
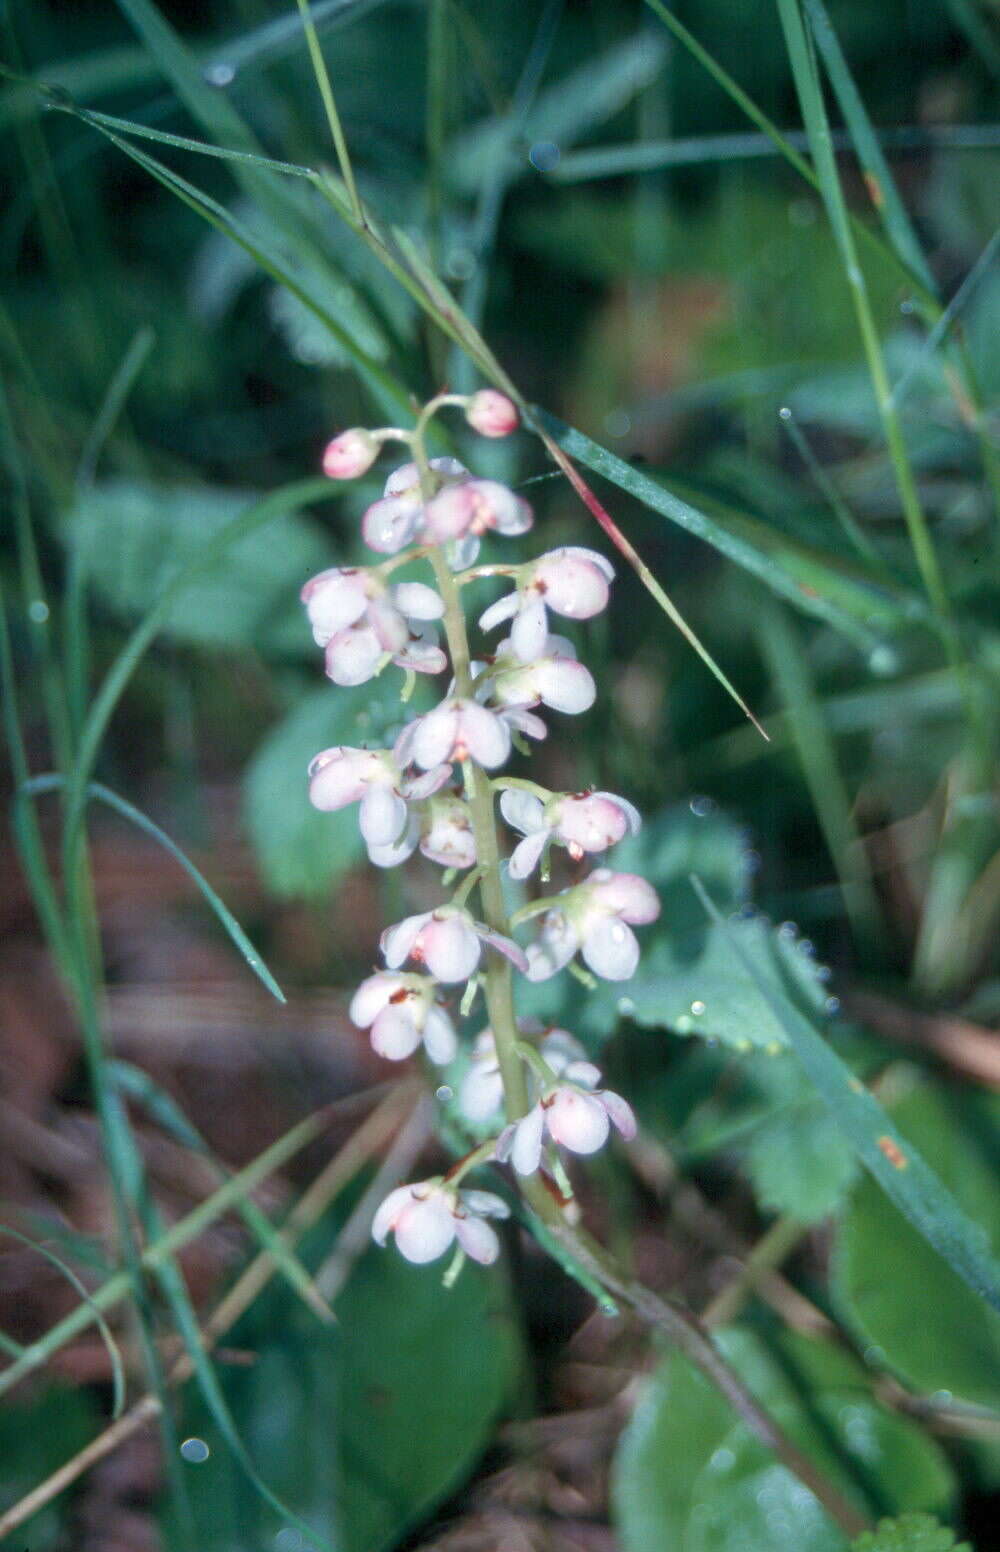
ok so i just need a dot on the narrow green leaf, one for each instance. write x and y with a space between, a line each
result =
896 1165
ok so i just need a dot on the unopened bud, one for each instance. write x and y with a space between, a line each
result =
350 454
491 414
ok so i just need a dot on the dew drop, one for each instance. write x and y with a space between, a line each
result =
460 263
195 1451
682 1024
38 611
907 306
883 661
784 413
697 1007
722 1460
701 807
220 74
874 1355
444 1093
831 1006
617 423
752 861
807 948
788 930
626 1006
823 972
544 155
942 1398
288 1540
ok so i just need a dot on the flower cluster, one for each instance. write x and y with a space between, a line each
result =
435 789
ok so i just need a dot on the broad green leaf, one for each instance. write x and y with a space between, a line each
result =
365 1426
136 537
800 1163
688 1474
909 1533
300 850
900 1297
36 1438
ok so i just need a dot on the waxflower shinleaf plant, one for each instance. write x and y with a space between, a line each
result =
438 789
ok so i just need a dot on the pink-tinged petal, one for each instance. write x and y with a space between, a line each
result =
524 721
399 852
506 946
503 609
350 454
449 840
526 1145
584 1073
525 857
481 1093
628 895
485 1204
388 1212
417 601
522 810
334 600
633 818
509 515
450 948
382 815
477 1239
560 1048
492 414
556 945
611 949
573 584
591 823
483 735
390 524
449 514
371 997
341 776
402 480
530 630
394 1034
434 736
388 624
421 657
425 1230
396 942
578 1121
621 1113
425 786
440 1040
565 684
353 656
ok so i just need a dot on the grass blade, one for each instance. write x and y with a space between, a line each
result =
894 1163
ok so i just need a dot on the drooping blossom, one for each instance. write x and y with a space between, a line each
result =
350 454
464 510
428 1217
491 413
363 624
397 520
571 581
596 918
573 1111
371 777
480 1093
399 1012
448 941
456 730
581 821
442 828
554 679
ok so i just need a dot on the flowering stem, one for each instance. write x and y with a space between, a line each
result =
520 784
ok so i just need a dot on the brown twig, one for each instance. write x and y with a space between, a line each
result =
967 1047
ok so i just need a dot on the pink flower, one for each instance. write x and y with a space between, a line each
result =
581 821
427 1217
491 414
363 624
395 521
350 454
480 1094
475 507
448 941
555 679
456 730
573 1112
443 831
371 777
594 918
571 581
399 1011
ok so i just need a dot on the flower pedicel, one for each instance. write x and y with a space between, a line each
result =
438 788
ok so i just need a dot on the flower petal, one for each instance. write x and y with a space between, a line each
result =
417 601
477 1239
481 1093
389 1210
426 1229
397 941
334 600
372 996
611 949
526 854
557 943
486 738
440 1040
564 684
341 776
574 581
434 735
506 946
621 1113
451 948
578 1121
390 524
627 894
394 1034
382 816
530 630
526 1146
353 656
502 610
485 1204
522 810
